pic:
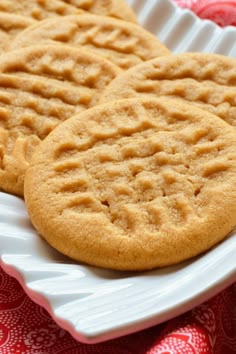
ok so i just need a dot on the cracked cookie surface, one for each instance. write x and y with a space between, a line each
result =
135 184
207 81
123 43
39 88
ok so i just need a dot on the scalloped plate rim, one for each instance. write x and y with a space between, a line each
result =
132 325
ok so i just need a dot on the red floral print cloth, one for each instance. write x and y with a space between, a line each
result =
223 12
26 328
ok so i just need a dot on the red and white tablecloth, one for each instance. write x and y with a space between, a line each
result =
223 12
26 328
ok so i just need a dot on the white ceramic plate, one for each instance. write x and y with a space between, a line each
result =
95 304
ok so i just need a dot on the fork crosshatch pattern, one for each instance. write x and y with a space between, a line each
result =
26 328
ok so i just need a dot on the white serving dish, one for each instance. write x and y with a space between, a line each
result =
94 304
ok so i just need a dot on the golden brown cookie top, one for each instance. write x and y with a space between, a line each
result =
40 87
38 9
65 64
135 184
113 8
205 80
125 44
10 26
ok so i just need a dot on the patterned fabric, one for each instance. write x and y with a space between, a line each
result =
26 328
223 12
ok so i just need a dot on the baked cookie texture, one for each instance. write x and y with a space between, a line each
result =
38 9
10 26
40 87
113 8
135 184
207 81
125 44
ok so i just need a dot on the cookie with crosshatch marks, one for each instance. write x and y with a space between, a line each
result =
207 81
125 44
135 184
38 9
10 26
40 87
113 8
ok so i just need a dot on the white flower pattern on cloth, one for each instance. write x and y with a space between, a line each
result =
40 338
207 329
26 328
223 12
206 317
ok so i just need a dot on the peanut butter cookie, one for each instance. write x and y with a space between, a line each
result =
135 184
113 8
39 88
205 80
123 43
10 26
38 9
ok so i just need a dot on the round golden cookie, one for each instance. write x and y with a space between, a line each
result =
135 184
113 8
38 9
124 43
10 26
40 87
207 81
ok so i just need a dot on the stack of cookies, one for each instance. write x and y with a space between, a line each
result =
124 152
